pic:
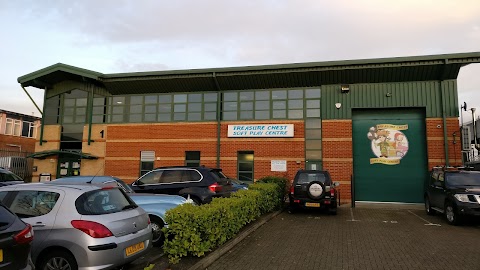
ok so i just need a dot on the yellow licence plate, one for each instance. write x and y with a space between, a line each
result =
134 249
1 255
311 204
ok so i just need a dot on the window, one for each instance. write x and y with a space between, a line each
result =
305 178
28 129
17 128
151 178
245 166
192 158
191 175
172 176
9 127
30 203
466 138
51 112
147 159
3 195
99 202
99 110
13 127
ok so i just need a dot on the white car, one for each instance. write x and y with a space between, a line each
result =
80 226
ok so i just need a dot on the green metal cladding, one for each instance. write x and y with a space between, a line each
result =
423 94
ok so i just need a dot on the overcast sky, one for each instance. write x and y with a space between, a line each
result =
112 36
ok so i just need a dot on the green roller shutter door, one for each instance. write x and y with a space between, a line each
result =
389 155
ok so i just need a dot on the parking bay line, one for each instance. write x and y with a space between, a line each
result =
428 222
351 214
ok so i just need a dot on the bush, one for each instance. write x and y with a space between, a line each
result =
283 185
195 230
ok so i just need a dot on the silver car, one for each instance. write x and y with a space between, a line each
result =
80 226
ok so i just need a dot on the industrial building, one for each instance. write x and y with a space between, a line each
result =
377 125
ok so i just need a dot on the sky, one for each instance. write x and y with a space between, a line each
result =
114 36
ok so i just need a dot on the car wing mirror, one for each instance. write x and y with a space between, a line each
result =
336 184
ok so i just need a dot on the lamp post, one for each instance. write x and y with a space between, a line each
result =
474 129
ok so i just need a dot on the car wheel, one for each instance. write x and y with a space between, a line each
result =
292 209
158 237
58 260
451 214
428 207
315 190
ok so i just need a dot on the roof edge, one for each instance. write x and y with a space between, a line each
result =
371 61
59 67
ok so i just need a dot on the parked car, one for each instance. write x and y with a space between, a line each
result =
313 189
238 185
453 192
154 204
200 184
15 241
9 178
80 226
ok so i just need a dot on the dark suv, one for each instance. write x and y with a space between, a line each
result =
15 241
313 189
9 178
453 192
200 184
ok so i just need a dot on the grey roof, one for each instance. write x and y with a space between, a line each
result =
311 74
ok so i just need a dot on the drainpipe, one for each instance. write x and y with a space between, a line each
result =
31 99
90 114
43 118
444 117
219 128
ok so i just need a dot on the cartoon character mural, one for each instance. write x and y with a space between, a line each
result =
388 143
382 142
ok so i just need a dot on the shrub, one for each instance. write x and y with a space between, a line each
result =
195 230
282 183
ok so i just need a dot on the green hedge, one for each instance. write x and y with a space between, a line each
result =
195 230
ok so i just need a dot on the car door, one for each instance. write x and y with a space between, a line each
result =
172 181
148 183
437 190
37 207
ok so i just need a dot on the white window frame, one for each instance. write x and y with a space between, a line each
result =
466 138
9 130
31 129
17 128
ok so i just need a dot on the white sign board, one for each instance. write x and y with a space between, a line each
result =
279 166
261 131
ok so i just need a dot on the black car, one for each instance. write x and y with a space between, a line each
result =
200 184
313 189
9 178
453 192
15 241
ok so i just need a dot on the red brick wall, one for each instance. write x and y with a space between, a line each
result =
338 153
28 144
435 142
170 141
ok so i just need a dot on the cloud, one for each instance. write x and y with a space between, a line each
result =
126 36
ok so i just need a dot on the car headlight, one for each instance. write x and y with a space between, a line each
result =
462 197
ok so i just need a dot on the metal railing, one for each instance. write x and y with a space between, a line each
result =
17 162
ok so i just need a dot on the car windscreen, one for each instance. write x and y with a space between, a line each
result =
8 176
308 177
103 201
463 179
219 174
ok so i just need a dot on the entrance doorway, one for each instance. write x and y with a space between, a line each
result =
389 155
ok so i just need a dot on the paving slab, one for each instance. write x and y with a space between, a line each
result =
376 237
